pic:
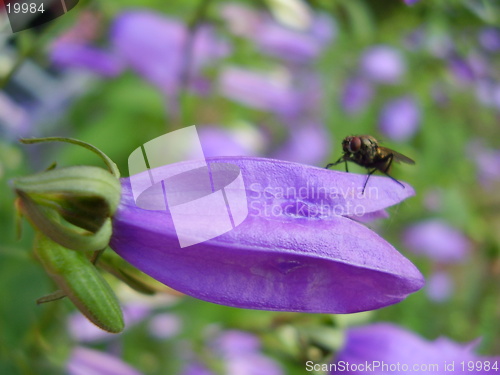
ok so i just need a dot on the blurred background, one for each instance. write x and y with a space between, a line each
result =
280 79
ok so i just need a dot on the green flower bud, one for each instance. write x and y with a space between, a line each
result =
81 282
72 205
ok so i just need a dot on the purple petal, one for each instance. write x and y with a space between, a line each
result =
438 241
439 287
73 55
382 64
356 95
259 91
400 119
411 2
292 253
387 343
370 216
84 361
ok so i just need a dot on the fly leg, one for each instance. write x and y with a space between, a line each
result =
367 178
390 158
342 159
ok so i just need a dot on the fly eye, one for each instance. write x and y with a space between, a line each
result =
354 144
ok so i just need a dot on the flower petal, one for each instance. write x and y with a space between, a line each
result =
287 260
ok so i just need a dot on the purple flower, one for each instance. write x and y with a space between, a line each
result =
439 286
295 251
356 95
399 119
438 241
489 38
410 2
155 47
383 64
260 91
84 361
402 352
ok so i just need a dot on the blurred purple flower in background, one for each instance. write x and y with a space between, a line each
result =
437 240
82 330
410 2
241 20
487 161
488 93
307 143
99 61
439 286
433 199
400 119
73 48
461 69
239 141
196 368
241 354
294 252
155 47
236 353
382 64
395 346
275 39
261 91
84 361
489 38
164 326
299 46
357 93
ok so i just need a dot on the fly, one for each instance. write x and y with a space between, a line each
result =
365 151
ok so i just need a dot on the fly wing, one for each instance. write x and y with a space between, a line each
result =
397 156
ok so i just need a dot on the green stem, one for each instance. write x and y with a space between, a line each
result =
113 169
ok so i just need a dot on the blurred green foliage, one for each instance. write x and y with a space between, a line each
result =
120 114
